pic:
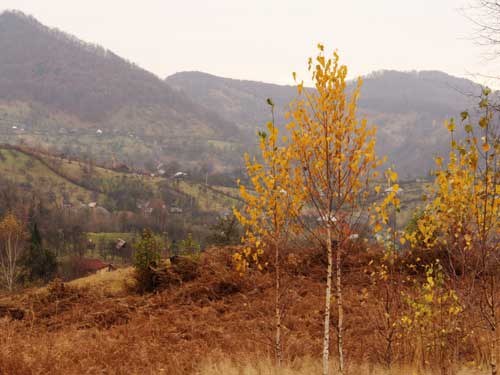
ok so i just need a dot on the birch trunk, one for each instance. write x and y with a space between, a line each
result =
493 324
490 316
278 307
340 310
493 361
328 297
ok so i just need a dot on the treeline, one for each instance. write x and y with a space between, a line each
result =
64 231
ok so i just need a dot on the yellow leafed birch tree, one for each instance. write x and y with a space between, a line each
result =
336 155
463 213
271 205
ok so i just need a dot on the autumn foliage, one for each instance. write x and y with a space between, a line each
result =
322 255
329 154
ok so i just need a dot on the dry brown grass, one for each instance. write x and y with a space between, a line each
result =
219 323
113 282
303 366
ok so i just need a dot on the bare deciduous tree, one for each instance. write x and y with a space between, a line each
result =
11 244
485 14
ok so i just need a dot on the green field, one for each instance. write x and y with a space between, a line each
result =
30 172
76 182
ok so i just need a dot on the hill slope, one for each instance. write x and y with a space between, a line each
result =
408 108
30 173
214 314
58 89
76 183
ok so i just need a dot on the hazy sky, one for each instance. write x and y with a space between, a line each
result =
268 39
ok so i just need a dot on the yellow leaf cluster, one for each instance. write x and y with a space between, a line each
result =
463 211
333 148
271 202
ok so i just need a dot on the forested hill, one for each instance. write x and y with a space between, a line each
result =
242 101
52 82
409 108
57 91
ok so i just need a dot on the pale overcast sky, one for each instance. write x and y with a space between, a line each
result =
268 39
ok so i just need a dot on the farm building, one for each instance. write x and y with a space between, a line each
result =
90 266
180 175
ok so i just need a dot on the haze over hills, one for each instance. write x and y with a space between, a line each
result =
409 108
131 227
56 90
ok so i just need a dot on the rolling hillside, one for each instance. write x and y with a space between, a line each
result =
29 173
408 107
71 183
57 90
61 93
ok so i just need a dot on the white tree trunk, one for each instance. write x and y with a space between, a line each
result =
493 323
8 261
328 297
278 307
493 363
340 309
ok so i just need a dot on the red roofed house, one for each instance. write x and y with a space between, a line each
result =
88 266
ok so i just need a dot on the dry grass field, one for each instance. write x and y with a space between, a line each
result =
303 366
219 323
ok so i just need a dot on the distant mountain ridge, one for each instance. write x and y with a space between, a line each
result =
61 76
57 91
409 108
242 100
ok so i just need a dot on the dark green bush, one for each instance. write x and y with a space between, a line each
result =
146 260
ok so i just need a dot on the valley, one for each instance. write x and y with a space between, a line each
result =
194 224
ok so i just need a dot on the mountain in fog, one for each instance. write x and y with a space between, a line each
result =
58 91
55 84
409 108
